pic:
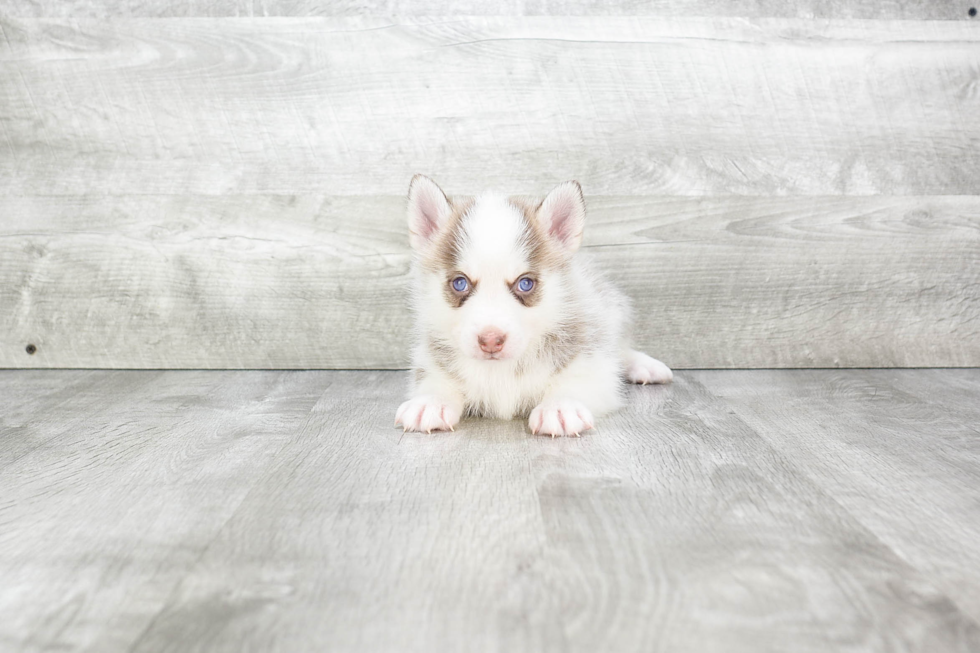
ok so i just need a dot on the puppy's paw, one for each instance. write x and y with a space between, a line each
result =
560 417
640 368
426 414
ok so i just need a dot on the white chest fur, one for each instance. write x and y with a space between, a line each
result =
500 388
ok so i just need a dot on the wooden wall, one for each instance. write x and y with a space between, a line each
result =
219 184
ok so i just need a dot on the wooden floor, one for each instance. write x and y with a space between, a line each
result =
732 511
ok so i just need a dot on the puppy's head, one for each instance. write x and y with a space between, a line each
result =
491 267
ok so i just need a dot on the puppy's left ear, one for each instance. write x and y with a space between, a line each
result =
562 215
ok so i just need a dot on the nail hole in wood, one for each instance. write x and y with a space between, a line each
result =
972 12
31 349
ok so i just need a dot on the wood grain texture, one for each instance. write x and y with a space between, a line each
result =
105 514
230 511
45 414
315 281
898 449
627 105
35 387
890 9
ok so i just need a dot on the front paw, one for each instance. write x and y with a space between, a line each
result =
643 369
560 417
426 414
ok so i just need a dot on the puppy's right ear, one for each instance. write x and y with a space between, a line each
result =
428 211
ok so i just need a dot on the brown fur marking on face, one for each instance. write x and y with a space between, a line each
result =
528 299
454 298
443 355
542 253
444 253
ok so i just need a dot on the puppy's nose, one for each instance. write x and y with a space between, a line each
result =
491 341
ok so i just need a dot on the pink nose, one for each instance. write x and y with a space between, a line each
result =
491 341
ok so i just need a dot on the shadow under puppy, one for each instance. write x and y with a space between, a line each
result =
510 322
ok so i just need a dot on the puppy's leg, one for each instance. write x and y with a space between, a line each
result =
589 386
435 405
640 368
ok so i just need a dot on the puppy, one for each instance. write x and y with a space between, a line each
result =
509 322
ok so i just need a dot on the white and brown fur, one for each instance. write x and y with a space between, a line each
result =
556 354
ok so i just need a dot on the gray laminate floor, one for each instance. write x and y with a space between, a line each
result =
257 511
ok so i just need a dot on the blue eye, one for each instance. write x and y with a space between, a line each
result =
460 284
525 284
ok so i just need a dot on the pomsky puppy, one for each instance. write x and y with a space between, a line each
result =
509 322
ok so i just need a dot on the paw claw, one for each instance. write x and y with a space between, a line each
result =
426 414
560 417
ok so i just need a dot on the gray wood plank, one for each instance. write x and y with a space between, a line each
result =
281 511
200 282
359 523
318 281
955 391
33 396
35 388
99 524
890 9
72 401
628 105
897 448
745 553
676 527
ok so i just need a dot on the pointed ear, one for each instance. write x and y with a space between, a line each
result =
428 211
562 215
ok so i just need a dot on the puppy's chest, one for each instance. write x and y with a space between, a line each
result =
499 390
